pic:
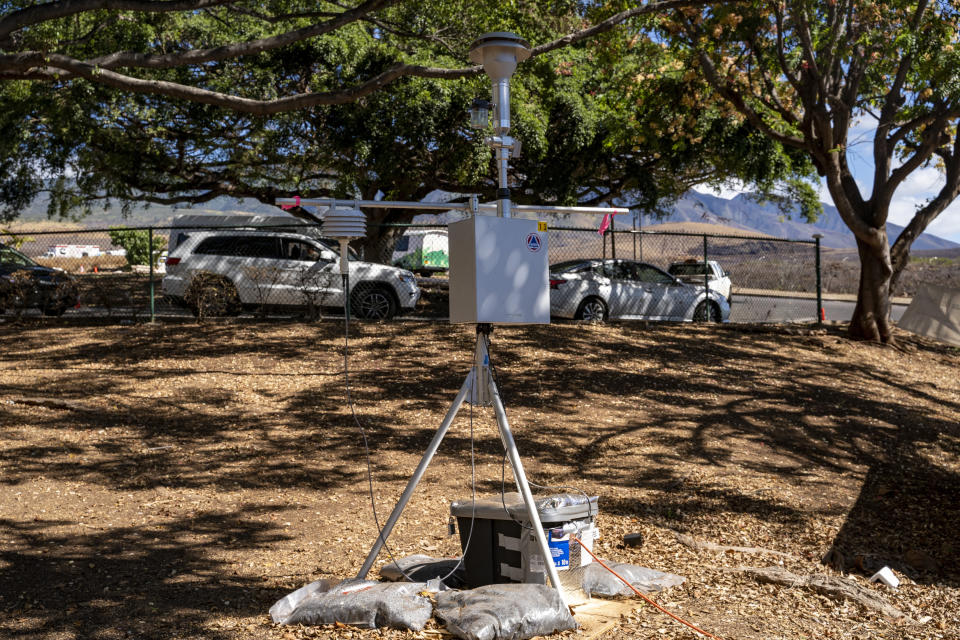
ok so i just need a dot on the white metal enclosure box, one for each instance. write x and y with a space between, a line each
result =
499 271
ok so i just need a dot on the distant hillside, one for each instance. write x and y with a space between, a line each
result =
742 212
149 214
710 213
704 227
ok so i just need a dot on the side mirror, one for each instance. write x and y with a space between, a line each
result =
327 256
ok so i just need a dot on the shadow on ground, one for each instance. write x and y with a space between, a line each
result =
156 581
744 401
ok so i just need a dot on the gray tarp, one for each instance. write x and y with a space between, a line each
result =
934 313
596 580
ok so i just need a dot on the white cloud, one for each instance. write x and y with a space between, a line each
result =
916 190
729 189
947 224
823 194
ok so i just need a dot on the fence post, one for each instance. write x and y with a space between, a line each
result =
820 313
153 316
706 280
613 237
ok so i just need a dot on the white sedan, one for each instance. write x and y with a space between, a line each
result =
598 290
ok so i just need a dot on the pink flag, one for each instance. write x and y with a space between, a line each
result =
605 224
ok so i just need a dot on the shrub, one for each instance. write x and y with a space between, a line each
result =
136 242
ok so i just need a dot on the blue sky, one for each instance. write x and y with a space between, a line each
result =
922 185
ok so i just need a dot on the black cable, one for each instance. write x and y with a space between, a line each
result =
503 461
366 446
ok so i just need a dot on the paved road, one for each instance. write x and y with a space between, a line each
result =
776 309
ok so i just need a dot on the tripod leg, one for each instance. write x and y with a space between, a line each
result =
415 479
511 447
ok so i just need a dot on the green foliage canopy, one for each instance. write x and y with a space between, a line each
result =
804 72
609 117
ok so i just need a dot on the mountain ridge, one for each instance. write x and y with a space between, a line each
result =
744 212
740 212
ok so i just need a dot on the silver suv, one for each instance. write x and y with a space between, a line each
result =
220 272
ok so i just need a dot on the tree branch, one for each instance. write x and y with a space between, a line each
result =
735 98
99 70
608 24
251 47
28 62
900 251
282 17
53 10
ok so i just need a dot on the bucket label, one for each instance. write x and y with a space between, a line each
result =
560 551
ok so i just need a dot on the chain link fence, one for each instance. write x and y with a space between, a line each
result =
292 271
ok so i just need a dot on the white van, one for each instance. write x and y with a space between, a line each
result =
424 251
73 251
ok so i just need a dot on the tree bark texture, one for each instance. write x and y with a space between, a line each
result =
871 316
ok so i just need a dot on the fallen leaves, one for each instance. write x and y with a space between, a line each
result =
220 463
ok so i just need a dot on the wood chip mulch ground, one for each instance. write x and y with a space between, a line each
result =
174 480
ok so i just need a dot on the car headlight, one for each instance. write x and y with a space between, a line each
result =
408 278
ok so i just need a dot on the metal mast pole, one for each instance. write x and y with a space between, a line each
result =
499 53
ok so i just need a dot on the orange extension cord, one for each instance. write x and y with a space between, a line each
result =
680 620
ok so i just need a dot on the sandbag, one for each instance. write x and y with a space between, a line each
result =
504 612
359 603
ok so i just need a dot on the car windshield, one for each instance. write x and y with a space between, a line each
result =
13 258
569 266
687 269
335 247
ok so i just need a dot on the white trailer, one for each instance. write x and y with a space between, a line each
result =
74 251
181 225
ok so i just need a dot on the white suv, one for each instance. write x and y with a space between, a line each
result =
219 272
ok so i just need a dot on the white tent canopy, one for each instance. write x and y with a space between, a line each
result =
935 313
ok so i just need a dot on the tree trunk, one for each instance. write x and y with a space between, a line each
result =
378 245
871 317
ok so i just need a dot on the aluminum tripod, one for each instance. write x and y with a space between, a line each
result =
482 389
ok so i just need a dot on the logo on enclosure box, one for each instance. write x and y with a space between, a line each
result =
533 242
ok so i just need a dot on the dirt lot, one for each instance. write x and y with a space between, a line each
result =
173 481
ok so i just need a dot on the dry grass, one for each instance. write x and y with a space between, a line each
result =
173 481
704 227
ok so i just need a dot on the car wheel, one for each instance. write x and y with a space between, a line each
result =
54 310
57 303
212 296
592 310
373 302
706 312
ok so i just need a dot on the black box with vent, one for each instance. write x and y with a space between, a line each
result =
502 548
